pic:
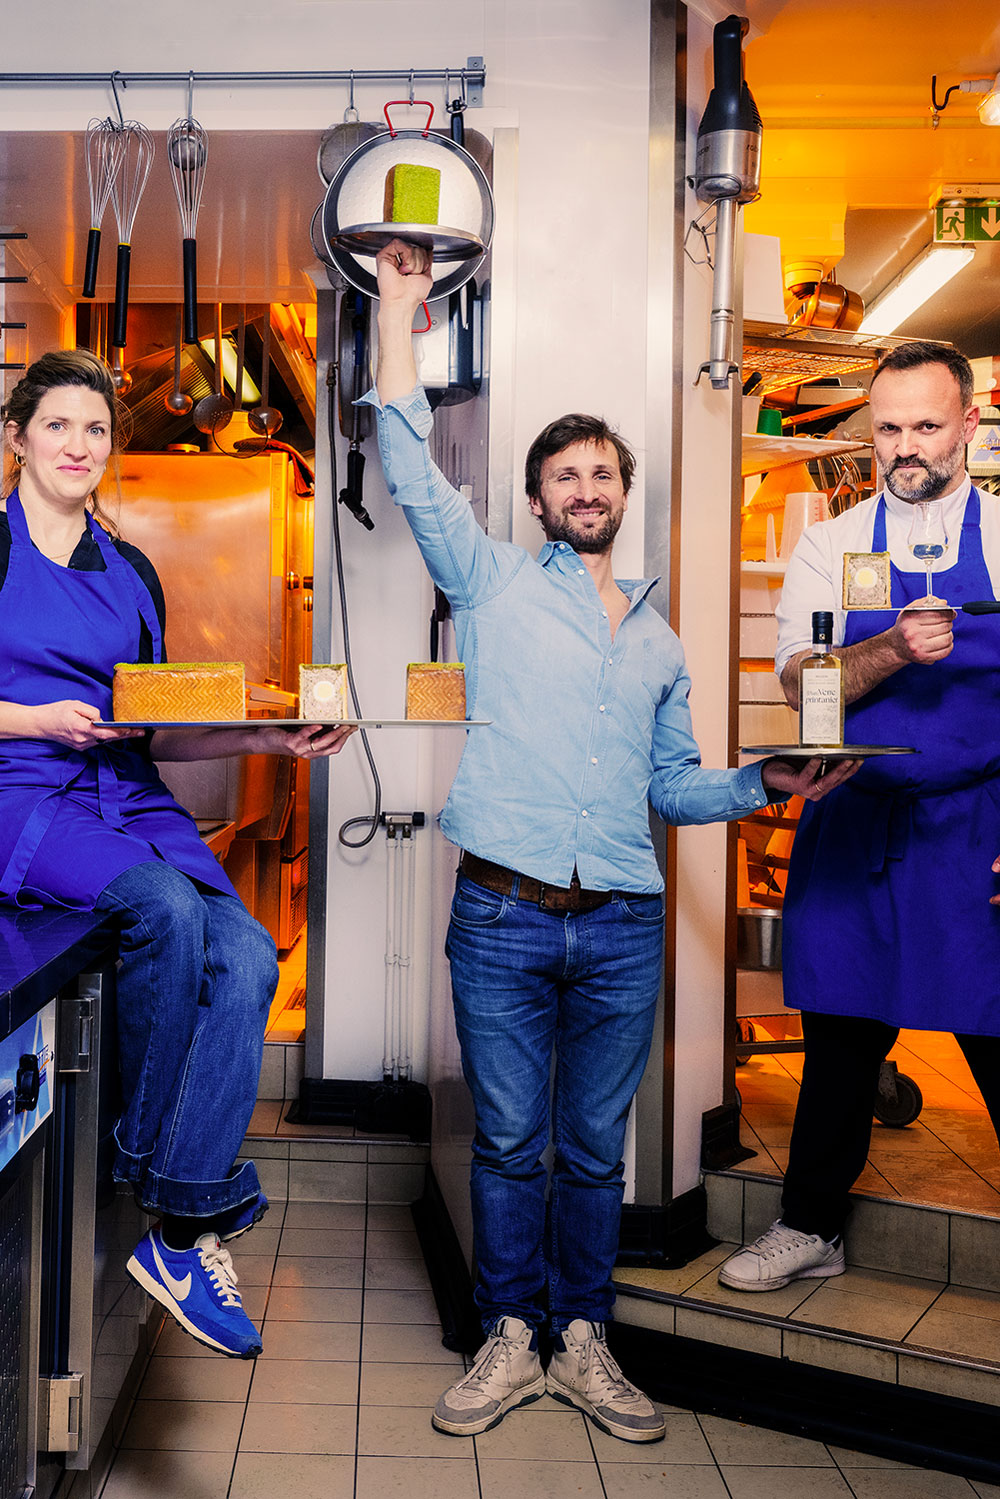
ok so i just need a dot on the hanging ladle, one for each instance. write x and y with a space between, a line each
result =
265 420
214 412
178 401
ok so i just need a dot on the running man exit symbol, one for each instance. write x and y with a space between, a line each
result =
967 223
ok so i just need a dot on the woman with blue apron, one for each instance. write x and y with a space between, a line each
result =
897 864
87 823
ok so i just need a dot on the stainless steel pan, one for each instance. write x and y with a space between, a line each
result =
352 224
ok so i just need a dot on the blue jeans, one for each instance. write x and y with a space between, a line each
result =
195 983
527 982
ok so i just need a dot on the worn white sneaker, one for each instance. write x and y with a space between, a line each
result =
507 1373
780 1256
583 1373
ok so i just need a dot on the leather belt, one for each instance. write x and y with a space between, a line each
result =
501 881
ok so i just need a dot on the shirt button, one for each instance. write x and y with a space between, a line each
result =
593 760
583 813
581 571
601 708
604 614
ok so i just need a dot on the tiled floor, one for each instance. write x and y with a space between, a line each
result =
338 1407
947 1158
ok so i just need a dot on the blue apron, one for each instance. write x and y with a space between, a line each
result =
887 909
72 820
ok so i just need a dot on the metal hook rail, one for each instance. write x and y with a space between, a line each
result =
473 77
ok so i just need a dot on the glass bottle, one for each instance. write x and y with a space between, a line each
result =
821 689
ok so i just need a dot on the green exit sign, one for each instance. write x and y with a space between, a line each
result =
971 222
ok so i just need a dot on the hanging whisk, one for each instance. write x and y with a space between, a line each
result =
187 152
101 146
135 158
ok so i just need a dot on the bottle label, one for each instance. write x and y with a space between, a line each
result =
820 720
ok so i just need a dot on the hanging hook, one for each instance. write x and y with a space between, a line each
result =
190 113
411 85
351 113
114 89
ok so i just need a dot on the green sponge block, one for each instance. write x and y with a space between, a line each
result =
412 194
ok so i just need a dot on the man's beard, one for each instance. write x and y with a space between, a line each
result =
598 539
937 478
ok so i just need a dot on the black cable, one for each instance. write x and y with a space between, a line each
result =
948 93
373 819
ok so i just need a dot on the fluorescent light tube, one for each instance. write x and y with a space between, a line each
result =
917 284
989 110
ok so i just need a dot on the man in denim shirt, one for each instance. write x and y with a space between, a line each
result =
556 936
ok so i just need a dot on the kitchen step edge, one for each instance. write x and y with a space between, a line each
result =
754 1330
953 1245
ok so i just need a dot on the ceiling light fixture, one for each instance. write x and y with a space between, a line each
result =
926 275
989 110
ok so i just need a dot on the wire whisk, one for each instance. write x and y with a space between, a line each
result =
101 147
187 154
136 151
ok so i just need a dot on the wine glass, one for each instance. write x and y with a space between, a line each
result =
928 539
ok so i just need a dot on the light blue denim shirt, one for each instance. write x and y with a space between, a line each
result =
584 729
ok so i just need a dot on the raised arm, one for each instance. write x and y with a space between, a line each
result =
464 562
404 281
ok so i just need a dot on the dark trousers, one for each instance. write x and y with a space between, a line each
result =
833 1119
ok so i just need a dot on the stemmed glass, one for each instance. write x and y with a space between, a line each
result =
928 539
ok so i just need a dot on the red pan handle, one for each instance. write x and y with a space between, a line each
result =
393 102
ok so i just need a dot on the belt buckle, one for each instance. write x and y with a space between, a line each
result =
566 903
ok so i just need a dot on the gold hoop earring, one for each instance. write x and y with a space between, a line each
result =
19 459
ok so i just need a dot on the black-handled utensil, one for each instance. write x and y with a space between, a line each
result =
187 154
981 606
101 146
135 157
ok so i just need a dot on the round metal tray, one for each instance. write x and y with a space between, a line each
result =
826 751
446 244
355 199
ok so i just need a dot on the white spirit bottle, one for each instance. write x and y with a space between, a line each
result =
821 689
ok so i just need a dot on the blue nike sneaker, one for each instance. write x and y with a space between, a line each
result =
241 1220
198 1288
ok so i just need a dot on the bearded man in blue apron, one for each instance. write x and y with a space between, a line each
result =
892 876
87 823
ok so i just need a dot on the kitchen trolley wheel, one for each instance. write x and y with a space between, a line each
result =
898 1100
746 1034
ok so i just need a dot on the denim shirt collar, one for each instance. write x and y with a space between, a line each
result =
560 552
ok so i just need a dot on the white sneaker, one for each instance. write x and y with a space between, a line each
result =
507 1373
780 1256
583 1373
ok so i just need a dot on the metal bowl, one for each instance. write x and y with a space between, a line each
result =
758 938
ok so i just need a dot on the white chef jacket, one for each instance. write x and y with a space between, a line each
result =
815 572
